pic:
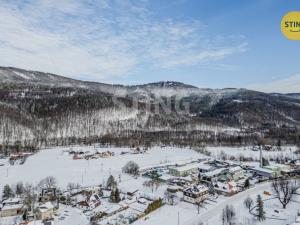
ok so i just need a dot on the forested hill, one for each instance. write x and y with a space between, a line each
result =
38 107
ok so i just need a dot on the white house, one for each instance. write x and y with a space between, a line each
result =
227 188
45 211
173 195
182 171
11 207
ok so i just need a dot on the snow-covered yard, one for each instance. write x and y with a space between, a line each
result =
66 215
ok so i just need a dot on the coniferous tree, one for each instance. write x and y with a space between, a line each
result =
265 162
260 208
247 183
117 195
112 195
111 183
7 192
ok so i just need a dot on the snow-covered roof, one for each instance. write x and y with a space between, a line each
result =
205 166
265 170
12 201
235 169
166 177
226 187
196 189
186 167
138 207
46 206
14 206
113 208
214 172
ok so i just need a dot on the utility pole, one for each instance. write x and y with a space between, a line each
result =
178 219
260 156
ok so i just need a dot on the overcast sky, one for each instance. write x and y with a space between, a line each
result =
206 43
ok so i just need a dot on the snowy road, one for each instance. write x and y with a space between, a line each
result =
236 201
188 215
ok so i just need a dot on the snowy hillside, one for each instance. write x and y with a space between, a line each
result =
39 107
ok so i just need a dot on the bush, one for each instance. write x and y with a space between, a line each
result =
153 206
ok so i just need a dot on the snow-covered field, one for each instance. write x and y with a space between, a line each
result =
58 163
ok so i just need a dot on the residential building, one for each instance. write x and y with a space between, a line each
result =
11 207
264 172
212 175
227 188
195 194
182 171
236 173
48 195
172 195
45 211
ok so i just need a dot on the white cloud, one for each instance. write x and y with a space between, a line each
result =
102 38
286 85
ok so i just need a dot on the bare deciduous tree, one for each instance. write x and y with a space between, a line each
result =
30 196
228 215
199 204
48 182
19 190
131 168
248 203
153 184
72 186
284 190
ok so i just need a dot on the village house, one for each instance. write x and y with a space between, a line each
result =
182 171
195 194
131 192
264 172
173 195
227 188
87 202
48 195
278 168
236 173
45 211
204 168
11 207
212 175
